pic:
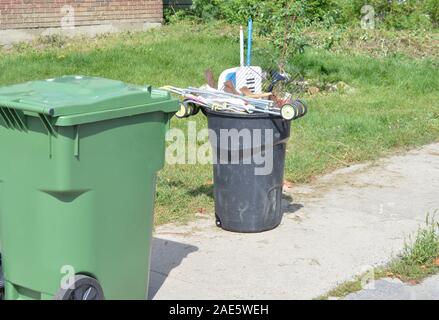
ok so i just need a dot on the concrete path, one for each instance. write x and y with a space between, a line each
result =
394 289
337 227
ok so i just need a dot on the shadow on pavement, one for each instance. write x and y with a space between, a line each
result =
165 256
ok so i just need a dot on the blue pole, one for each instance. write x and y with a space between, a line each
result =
250 40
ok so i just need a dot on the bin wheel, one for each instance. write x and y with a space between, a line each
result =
182 113
187 109
217 221
196 110
191 108
82 288
288 112
295 110
301 107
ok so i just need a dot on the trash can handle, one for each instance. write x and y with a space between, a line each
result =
18 105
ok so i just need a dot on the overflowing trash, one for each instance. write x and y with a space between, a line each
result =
216 100
241 90
245 75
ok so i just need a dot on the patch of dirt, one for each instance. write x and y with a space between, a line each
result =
379 43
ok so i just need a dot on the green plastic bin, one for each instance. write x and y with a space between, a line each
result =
78 163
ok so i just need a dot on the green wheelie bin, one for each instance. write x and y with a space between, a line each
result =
78 163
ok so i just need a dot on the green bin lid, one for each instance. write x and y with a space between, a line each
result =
80 96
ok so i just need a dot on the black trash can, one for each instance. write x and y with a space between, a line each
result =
247 187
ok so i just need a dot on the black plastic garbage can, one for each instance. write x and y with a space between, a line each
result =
247 187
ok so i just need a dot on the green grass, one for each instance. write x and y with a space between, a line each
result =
343 290
418 257
417 261
395 104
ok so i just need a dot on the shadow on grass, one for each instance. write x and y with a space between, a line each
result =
193 192
203 189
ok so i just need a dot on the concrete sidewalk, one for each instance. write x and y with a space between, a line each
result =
337 227
395 289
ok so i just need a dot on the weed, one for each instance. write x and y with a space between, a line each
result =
418 257
417 261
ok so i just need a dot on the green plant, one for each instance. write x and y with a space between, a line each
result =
407 14
416 262
344 289
392 14
207 9
172 15
425 247
326 11
55 40
238 11
432 9
281 23
419 255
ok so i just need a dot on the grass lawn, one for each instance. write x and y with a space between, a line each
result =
394 104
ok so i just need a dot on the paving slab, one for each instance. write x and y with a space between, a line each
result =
340 225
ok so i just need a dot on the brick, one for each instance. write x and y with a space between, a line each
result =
22 14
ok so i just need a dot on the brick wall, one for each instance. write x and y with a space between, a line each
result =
25 14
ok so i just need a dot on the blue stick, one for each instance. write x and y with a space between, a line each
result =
250 40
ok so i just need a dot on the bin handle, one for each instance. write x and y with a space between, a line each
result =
18 105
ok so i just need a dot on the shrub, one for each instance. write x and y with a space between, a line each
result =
393 14
207 9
